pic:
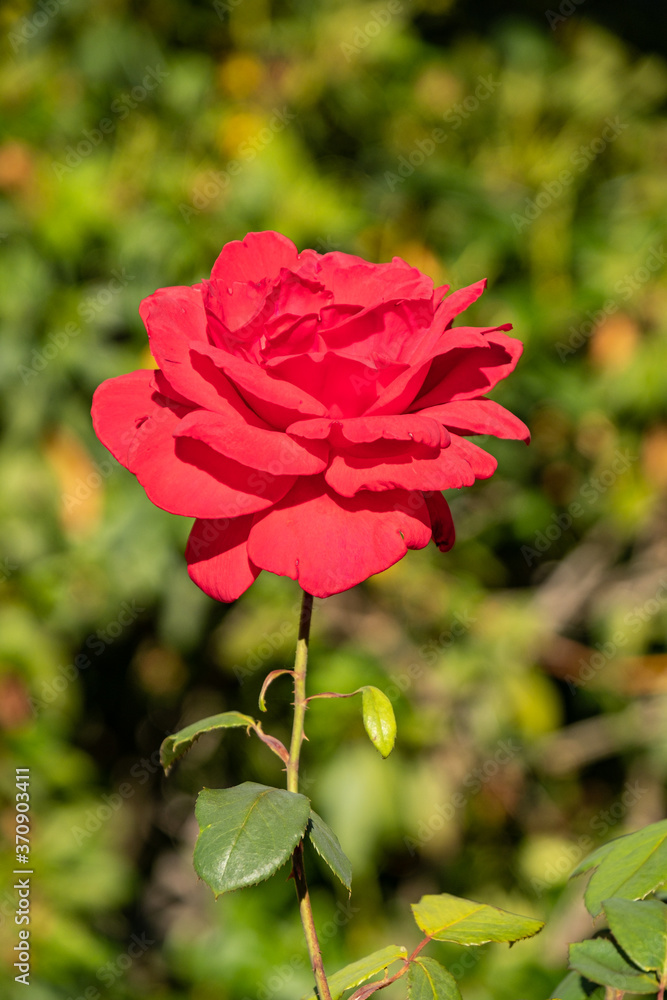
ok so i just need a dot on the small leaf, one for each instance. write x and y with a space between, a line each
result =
630 867
358 972
575 987
641 930
428 980
463 921
600 960
326 843
379 719
268 680
247 833
179 743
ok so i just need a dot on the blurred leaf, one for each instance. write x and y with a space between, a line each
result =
601 961
463 921
326 843
247 833
630 867
641 930
428 980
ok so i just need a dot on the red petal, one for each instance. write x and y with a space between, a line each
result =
279 403
442 524
359 430
271 451
187 477
217 555
257 256
120 406
465 374
330 544
399 466
479 416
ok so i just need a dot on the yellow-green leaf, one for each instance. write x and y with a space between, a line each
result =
179 743
464 921
379 719
358 972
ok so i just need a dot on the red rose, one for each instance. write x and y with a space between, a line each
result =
307 411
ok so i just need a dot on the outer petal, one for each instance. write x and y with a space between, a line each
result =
442 523
256 256
399 466
360 430
330 544
479 416
189 478
465 374
217 555
120 406
271 451
443 318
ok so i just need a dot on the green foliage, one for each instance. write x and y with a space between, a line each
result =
463 921
327 845
358 972
601 961
379 719
428 980
247 833
630 867
179 743
640 928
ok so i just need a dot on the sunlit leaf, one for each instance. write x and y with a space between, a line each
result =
358 972
463 921
247 833
179 743
379 719
428 980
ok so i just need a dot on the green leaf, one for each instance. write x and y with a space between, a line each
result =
326 843
379 719
630 867
247 833
358 972
428 980
463 921
575 987
179 743
641 930
600 960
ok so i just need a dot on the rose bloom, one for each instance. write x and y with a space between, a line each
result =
307 410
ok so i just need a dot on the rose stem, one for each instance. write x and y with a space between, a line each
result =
298 869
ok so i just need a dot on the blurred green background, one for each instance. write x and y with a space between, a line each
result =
528 666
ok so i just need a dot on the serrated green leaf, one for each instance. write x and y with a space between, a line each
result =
630 867
464 921
247 833
326 843
575 987
179 743
358 972
641 930
600 961
428 980
379 719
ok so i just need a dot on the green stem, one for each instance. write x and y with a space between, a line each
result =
298 734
